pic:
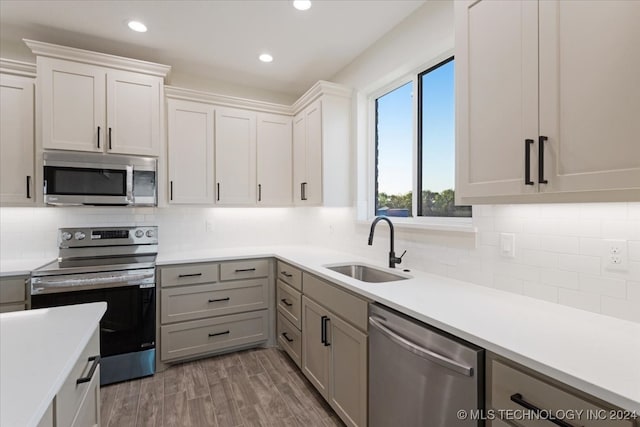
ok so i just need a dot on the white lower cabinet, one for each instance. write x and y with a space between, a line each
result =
13 293
207 308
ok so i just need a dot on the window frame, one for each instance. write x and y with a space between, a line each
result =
463 224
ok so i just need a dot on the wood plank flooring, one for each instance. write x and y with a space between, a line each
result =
258 387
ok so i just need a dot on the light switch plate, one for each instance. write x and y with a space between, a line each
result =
508 245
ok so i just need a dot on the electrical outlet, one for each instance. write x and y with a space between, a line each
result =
615 255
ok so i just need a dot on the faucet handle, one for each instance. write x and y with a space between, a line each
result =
400 257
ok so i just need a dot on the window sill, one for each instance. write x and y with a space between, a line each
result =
448 226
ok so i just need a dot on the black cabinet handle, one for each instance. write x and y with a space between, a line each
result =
287 303
286 337
109 138
541 141
219 299
98 136
219 333
170 190
244 270
323 330
326 340
94 365
218 191
180 276
259 192
527 161
285 274
28 187
303 191
517 398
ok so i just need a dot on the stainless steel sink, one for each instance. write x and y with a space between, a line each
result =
365 273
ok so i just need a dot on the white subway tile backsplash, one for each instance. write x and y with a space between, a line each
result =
590 246
599 285
540 291
559 278
633 291
624 309
616 229
579 263
539 258
581 300
561 244
509 284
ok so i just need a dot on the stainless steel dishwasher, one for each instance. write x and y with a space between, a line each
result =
419 375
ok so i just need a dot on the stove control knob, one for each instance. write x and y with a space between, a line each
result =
66 235
139 233
150 233
80 235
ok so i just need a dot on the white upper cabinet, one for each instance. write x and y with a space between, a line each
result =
235 156
133 113
190 149
16 140
98 103
321 147
547 101
274 159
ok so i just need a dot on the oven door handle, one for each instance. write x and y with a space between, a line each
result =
44 286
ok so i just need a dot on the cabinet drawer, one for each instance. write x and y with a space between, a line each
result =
71 395
244 269
5 308
289 303
200 301
342 303
188 274
290 338
290 275
89 411
507 381
13 289
202 336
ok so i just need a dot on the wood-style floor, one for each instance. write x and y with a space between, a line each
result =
259 387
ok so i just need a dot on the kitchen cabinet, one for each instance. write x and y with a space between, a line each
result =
511 387
190 152
274 159
334 347
546 106
13 293
235 153
289 306
16 140
206 308
321 146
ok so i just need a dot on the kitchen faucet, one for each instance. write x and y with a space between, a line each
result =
393 260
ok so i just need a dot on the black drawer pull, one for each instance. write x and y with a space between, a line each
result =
285 274
527 161
94 365
219 333
28 187
517 398
286 337
541 141
98 136
287 303
219 299
180 276
244 270
109 138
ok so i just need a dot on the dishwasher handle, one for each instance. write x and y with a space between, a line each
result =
420 351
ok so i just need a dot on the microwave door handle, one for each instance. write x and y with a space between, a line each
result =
130 184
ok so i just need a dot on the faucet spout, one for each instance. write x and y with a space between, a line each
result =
393 260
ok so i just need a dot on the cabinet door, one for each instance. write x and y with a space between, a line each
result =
16 140
348 372
315 354
73 105
133 113
299 156
589 94
496 97
274 159
313 186
190 152
235 157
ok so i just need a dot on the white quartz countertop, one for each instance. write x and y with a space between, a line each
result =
38 349
21 267
597 354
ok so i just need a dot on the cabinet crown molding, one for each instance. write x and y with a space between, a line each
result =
18 68
97 58
321 87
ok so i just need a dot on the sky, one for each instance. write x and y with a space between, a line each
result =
395 133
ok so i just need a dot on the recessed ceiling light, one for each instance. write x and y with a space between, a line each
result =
137 26
265 57
302 4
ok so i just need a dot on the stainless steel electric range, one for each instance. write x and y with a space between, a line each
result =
115 265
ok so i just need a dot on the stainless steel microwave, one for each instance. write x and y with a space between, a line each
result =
77 179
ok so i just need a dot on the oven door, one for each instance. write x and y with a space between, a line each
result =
129 323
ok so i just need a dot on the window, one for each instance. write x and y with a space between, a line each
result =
417 181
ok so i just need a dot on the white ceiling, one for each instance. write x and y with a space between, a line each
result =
219 39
